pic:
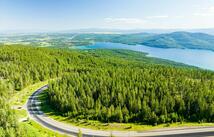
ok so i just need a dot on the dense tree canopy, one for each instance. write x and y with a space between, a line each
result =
107 85
8 123
21 66
150 95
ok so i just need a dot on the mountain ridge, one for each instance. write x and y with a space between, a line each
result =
181 40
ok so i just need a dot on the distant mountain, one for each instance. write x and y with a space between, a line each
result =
108 31
132 31
207 31
181 40
167 40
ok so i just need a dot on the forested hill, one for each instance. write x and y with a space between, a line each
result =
24 65
21 66
171 40
152 95
181 40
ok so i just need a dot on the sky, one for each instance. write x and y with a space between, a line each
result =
109 14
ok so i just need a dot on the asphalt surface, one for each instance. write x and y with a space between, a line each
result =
33 107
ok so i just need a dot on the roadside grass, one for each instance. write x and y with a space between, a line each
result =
91 124
30 127
33 129
19 98
21 113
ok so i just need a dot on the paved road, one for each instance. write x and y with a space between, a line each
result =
33 107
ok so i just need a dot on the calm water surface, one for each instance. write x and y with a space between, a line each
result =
199 58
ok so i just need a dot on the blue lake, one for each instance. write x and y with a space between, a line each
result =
199 58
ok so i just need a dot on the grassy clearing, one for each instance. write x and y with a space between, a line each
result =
21 113
20 97
31 128
109 126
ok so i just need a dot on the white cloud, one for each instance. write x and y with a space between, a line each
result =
125 23
157 17
179 17
205 12
211 9
134 21
198 14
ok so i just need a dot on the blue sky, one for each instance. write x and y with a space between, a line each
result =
120 14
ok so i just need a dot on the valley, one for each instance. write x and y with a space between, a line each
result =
110 68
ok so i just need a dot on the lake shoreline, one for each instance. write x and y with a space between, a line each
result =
193 57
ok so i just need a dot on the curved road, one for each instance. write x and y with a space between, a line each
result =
33 107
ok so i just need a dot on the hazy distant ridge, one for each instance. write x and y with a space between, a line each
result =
181 40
